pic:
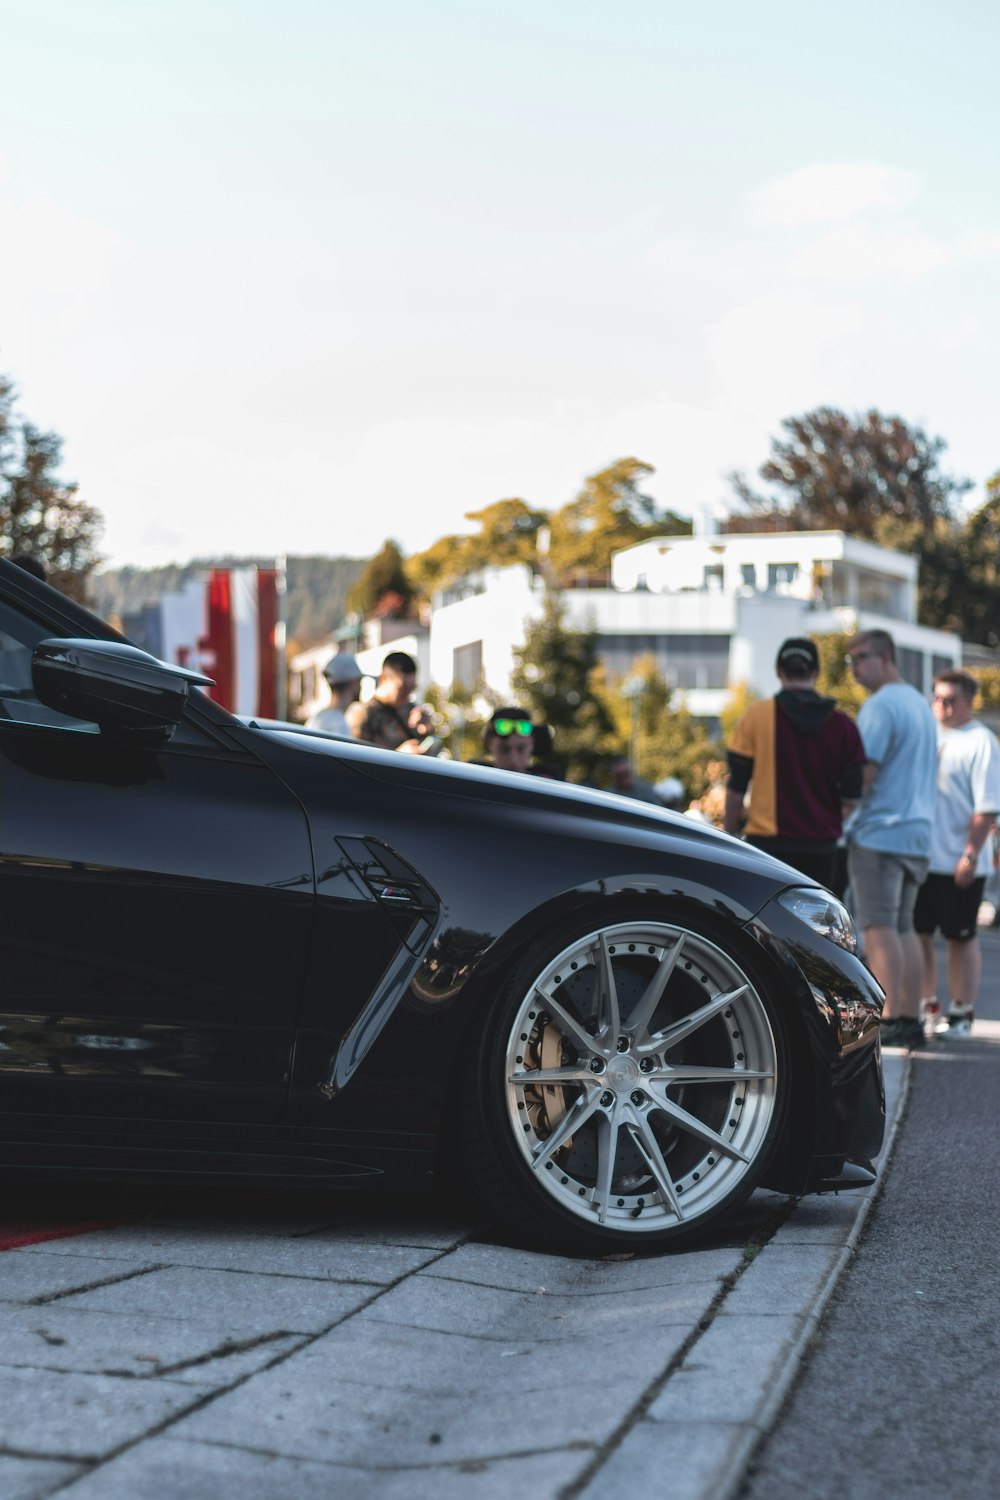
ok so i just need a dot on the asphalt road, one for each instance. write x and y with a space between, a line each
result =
900 1394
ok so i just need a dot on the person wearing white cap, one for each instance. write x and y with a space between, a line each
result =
344 677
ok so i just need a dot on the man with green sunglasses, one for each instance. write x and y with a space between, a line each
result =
509 739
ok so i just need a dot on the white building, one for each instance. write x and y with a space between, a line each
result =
712 610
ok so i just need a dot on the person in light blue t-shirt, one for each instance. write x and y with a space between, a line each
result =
890 835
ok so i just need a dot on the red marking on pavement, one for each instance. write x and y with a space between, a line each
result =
13 1236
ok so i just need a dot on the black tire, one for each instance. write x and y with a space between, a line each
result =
629 1087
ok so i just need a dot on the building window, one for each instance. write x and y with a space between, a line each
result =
748 573
467 666
781 575
832 586
683 661
911 666
879 594
462 588
940 664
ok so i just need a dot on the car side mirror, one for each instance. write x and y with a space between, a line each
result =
128 694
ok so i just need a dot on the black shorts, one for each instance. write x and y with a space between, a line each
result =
953 908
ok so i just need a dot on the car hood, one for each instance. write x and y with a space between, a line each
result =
636 821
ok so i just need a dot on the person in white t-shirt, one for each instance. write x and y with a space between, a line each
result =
968 800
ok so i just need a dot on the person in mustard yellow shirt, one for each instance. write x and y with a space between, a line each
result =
801 759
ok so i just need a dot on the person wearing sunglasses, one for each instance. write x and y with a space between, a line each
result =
509 739
968 800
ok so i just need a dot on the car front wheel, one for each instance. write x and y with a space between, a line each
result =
629 1088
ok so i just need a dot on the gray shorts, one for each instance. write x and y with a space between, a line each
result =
885 886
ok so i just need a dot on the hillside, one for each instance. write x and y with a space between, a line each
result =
317 589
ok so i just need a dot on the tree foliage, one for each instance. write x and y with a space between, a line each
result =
832 471
836 679
40 514
609 513
972 598
554 677
508 533
989 690
384 585
657 730
740 699
880 478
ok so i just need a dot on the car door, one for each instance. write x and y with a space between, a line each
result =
156 908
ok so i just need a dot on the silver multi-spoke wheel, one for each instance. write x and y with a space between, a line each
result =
641 1080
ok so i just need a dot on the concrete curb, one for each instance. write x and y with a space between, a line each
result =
770 1407
718 1406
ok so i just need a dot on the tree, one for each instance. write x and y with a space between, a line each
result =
461 715
41 514
659 732
853 473
609 513
989 689
740 698
836 679
508 533
974 583
554 678
383 585
436 566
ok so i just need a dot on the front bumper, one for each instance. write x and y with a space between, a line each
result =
837 1113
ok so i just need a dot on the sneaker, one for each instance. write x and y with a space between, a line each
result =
930 1014
956 1025
904 1031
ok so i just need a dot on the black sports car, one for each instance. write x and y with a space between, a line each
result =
233 951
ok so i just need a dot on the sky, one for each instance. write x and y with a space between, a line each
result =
294 276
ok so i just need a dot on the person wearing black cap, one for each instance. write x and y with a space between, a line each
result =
801 759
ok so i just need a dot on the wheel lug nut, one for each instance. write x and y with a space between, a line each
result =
597 1065
622 1044
646 1066
607 1099
637 1096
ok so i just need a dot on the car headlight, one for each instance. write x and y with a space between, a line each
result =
824 914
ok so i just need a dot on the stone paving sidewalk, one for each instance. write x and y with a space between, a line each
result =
381 1351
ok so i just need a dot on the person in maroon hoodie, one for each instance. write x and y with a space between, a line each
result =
801 759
